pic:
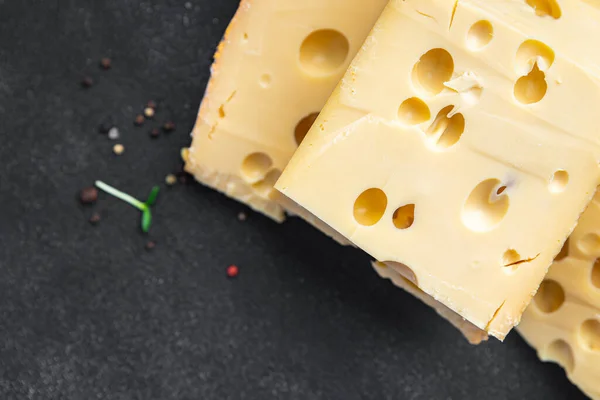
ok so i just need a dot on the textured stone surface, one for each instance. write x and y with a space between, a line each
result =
86 312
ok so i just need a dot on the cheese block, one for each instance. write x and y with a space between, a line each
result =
563 321
462 145
278 63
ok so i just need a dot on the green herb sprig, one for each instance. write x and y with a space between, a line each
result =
144 207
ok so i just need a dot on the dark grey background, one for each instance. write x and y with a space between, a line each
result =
87 313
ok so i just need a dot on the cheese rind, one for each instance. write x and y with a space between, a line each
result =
483 145
275 68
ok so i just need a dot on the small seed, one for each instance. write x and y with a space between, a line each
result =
149 112
95 218
139 120
105 63
171 179
154 133
185 154
88 195
151 104
150 245
242 216
118 149
113 133
233 271
169 126
87 82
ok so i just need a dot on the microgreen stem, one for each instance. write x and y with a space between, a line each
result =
121 195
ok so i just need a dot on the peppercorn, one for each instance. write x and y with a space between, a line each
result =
88 195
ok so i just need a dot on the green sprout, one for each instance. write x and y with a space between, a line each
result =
143 207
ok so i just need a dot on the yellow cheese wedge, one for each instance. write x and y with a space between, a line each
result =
563 321
462 144
274 70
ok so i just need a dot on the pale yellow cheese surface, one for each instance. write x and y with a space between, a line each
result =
277 65
462 143
563 321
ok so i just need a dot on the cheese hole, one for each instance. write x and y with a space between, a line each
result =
404 216
480 35
380 264
324 52
414 287
445 131
405 271
433 69
265 187
545 8
564 251
484 209
510 257
370 206
590 244
256 166
413 111
590 334
549 297
595 276
265 81
596 198
531 88
532 52
304 126
512 260
561 353
559 181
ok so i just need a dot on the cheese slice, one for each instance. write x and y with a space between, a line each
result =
462 144
563 321
278 63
